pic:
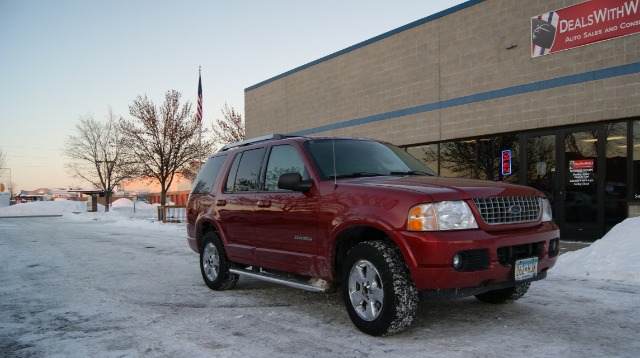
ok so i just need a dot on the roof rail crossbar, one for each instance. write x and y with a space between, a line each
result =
263 138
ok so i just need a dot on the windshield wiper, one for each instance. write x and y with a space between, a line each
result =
356 175
411 172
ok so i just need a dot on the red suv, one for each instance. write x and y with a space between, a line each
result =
322 212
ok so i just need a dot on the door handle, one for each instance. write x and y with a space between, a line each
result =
264 203
221 202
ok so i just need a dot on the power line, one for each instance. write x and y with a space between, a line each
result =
11 146
27 156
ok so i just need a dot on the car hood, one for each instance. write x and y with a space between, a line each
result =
442 188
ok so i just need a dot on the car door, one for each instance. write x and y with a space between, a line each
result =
236 205
287 221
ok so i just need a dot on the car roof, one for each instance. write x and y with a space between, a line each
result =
276 137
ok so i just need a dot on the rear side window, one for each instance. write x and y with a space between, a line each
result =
244 171
207 176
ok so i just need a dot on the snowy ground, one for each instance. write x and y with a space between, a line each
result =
118 284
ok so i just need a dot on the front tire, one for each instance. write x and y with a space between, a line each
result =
505 295
377 289
214 264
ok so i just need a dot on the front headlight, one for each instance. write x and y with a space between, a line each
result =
445 215
547 214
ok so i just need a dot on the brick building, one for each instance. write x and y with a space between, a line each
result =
554 84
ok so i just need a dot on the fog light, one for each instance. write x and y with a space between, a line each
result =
457 261
554 247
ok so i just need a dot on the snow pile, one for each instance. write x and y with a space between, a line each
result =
139 205
122 211
126 203
57 207
615 257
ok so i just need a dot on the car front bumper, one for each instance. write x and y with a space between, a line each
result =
429 256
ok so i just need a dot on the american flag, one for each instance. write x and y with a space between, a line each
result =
199 114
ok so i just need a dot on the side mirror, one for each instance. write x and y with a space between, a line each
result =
293 181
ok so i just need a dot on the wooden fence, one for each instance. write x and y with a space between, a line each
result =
172 213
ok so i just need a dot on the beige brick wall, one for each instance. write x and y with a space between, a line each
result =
634 210
458 55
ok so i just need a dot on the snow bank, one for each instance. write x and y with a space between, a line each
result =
615 257
126 203
44 208
122 212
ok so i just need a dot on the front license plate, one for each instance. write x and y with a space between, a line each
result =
526 269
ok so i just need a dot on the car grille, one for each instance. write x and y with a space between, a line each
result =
508 209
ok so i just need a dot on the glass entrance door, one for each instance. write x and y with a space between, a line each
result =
580 199
563 164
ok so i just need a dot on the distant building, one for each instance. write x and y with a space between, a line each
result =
45 194
177 194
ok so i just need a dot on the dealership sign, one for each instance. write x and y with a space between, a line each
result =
583 24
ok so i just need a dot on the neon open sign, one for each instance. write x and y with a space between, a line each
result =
506 162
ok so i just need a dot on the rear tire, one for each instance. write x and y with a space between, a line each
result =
377 289
505 295
214 265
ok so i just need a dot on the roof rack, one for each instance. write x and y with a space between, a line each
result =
263 138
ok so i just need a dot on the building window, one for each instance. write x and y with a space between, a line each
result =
615 208
472 158
636 160
458 159
541 164
616 154
490 158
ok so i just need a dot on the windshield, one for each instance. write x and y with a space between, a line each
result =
357 158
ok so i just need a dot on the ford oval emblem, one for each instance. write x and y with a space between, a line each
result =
515 209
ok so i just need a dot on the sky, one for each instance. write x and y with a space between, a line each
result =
63 60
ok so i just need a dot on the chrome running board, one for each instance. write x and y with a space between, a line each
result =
323 286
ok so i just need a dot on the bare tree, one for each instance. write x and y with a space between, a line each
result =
98 154
164 140
230 129
3 159
3 167
12 186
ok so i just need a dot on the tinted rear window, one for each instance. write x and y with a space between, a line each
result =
248 168
207 176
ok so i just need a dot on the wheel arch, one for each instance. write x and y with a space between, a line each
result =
204 227
350 236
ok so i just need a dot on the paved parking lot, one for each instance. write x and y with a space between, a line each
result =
72 288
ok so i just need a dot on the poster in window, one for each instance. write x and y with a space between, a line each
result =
580 172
